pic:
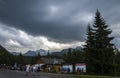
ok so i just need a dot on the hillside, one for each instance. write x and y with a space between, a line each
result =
5 56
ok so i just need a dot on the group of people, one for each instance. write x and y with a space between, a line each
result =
31 70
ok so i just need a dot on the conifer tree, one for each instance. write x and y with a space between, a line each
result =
99 47
89 47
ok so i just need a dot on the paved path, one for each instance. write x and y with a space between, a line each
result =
21 74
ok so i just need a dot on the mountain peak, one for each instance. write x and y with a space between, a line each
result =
34 53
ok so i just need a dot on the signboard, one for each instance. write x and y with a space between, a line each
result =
80 67
67 68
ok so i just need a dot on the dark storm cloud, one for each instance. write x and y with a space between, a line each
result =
56 18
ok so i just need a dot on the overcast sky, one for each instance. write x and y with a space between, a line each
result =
53 24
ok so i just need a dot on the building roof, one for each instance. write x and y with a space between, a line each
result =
52 60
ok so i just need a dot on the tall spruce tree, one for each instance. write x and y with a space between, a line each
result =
89 47
99 48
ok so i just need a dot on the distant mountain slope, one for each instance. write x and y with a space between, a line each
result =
5 56
3 50
42 52
15 53
65 51
30 53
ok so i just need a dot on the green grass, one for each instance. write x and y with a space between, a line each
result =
92 76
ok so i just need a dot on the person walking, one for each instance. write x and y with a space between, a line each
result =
28 71
33 70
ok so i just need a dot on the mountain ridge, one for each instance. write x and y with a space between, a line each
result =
43 52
